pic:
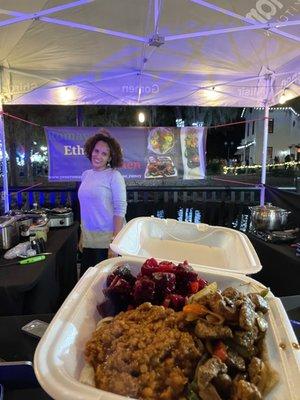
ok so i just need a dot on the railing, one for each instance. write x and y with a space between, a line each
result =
46 197
224 206
53 197
221 206
193 194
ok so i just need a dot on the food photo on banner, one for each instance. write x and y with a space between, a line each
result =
148 153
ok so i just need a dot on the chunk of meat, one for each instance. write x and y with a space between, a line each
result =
223 306
232 293
246 339
209 370
223 384
240 376
244 390
205 330
259 302
261 375
209 393
257 372
247 316
234 360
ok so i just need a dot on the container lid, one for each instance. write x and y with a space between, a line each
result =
267 207
6 220
199 244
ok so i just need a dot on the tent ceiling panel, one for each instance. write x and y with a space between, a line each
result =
112 14
27 6
113 52
12 34
39 50
188 17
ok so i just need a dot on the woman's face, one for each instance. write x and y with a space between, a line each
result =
100 156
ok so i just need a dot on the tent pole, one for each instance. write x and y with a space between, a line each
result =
264 155
79 116
4 164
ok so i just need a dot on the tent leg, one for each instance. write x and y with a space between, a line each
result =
4 164
264 156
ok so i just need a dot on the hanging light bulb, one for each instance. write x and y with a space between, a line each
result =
283 98
212 94
141 117
66 94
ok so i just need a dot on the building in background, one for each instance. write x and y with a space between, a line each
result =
283 139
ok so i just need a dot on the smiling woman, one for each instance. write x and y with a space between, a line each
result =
101 156
102 197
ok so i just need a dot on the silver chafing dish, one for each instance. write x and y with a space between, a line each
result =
268 217
9 232
60 217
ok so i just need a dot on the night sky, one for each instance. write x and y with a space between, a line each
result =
158 116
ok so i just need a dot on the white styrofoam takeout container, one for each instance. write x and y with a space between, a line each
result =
200 244
59 357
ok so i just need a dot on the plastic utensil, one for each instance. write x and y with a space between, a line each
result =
29 260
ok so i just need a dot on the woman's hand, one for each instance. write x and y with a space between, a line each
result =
111 253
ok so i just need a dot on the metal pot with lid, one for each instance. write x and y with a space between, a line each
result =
268 217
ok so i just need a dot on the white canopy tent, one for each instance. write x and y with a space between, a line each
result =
150 52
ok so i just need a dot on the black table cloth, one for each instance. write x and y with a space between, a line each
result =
287 200
41 287
281 267
15 345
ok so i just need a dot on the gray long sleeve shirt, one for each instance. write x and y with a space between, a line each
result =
102 195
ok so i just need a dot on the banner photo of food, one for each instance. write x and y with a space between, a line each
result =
193 145
148 153
176 152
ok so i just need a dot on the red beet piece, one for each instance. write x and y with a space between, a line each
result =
165 283
107 308
109 279
143 290
149 267
166 266
119 288
184 276
177 302
124 272
201 283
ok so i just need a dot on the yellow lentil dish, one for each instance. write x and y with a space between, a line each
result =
143 353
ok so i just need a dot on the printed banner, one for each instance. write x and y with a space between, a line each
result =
148 153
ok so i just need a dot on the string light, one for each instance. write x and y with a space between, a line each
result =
279 108
258 166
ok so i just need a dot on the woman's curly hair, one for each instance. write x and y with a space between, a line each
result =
114 147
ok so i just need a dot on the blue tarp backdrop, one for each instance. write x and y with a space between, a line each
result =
148 152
